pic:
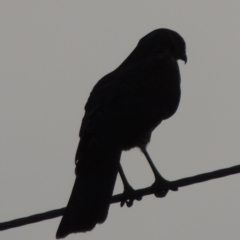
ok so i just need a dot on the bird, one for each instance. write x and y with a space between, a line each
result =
123 109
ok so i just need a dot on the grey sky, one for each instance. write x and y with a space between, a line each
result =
51 55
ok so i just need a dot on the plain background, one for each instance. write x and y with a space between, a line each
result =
51 55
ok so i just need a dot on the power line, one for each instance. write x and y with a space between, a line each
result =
120 197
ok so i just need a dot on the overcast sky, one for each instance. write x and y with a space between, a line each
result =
51 55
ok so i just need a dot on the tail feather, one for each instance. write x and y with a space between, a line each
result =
91 195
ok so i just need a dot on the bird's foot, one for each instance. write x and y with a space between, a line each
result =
161 187
129 195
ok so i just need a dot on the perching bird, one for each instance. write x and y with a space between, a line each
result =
123 109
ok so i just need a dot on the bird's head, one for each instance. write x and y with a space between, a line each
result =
167 39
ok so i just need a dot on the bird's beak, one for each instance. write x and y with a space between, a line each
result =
184 58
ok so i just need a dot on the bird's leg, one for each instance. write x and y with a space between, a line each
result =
159 188
129 193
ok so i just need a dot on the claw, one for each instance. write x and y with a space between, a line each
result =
161 187
129 195
129 202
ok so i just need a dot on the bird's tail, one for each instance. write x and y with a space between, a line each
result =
89 202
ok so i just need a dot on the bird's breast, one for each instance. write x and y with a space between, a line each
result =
165 92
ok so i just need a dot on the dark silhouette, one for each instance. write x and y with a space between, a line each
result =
118 198
123 109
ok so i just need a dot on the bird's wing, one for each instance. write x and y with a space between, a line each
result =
126 95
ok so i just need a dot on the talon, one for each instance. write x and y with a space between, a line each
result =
161 188
129 195
129 202
122 203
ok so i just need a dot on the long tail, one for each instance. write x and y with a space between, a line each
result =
91 195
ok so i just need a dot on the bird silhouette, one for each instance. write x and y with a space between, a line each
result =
123 109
